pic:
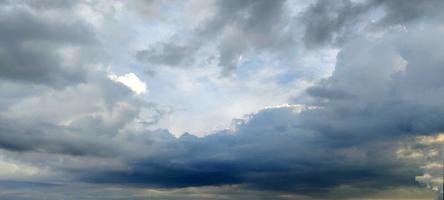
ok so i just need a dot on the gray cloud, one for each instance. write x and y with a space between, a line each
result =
383 92
334 22
56 100
237 28
330 21
87 134
49 139
168 54
350 136
402 12
267 152
386 87
31 49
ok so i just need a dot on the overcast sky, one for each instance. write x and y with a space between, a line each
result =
221 99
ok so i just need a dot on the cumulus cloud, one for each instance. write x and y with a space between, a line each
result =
428 150
131 81
362 87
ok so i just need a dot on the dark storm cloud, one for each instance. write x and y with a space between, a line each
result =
31 43
267 152
238 27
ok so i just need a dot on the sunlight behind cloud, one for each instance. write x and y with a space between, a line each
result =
131 81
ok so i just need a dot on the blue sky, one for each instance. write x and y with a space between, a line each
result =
229 99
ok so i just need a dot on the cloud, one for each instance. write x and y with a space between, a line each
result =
57 96
63 113
370 87
258 28
428 151
79 130
235 29
348 134
39 46
335 22
256 156
132 81
330 21
403 12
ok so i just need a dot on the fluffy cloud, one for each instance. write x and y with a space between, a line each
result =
131 81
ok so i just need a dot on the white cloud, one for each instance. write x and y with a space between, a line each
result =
131 81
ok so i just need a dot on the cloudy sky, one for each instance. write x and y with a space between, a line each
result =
221 99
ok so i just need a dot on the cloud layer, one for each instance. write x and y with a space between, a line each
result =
76 113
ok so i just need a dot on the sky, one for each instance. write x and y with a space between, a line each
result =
221 99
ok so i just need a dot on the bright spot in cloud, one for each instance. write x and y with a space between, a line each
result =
13 169
131 81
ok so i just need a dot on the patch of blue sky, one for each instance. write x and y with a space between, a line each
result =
287 77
